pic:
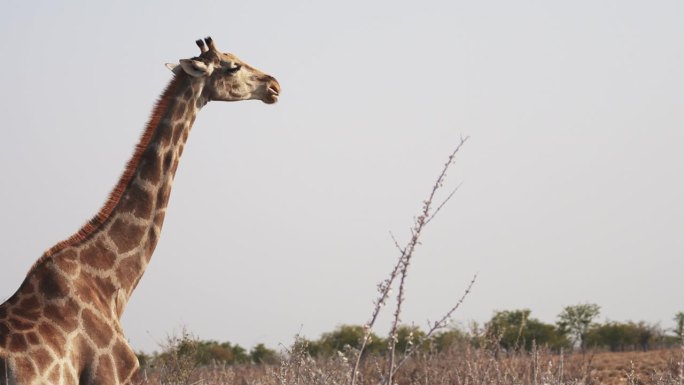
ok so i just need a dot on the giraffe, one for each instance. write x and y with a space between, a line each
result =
62 326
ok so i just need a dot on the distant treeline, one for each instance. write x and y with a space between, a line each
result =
508 330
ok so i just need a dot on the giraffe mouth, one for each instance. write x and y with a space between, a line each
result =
272 92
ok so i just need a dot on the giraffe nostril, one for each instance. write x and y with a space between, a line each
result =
273 86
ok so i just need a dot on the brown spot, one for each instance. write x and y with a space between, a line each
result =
17 342
84 352
86 376
67 262
168 158
177 131
65 315
55 374
28 308
29 285
105 370
129 271
42 359
97 328
163 196
150 167
98 255
163 136
152 240
20 325
29 302
94 290
33 338
52 284
126 236
53 337
125 360
138 201
25 369
178 113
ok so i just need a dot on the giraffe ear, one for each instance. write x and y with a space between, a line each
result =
175 68
196 68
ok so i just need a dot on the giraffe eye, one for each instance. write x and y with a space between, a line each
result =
233 69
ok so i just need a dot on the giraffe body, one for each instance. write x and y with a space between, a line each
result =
62 325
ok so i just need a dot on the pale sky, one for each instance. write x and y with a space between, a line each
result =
279 222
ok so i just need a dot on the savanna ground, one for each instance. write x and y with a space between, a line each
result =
460 365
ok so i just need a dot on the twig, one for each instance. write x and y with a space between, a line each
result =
443 203
442 323
423 219
396 243
402 266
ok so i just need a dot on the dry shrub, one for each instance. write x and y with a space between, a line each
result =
461 365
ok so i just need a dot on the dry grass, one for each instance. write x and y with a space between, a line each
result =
462 365
651 367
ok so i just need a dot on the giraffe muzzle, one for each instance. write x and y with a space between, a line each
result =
272 91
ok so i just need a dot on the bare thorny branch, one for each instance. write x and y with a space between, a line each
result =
441 324
427 214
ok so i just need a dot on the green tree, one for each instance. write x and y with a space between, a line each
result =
260 354
648 336
544 334
576 321
407 336
621 336
515 329
616 336
312 348
448 339
507 327
178 359
225 352
240 354
352 335
144 359
679 324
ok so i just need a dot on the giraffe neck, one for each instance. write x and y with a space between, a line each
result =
113 249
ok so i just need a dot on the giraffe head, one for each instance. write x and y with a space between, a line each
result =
227 78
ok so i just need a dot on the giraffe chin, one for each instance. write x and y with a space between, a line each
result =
270 99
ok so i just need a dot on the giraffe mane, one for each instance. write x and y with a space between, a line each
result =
90 227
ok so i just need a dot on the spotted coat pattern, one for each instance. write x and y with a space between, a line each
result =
62 325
